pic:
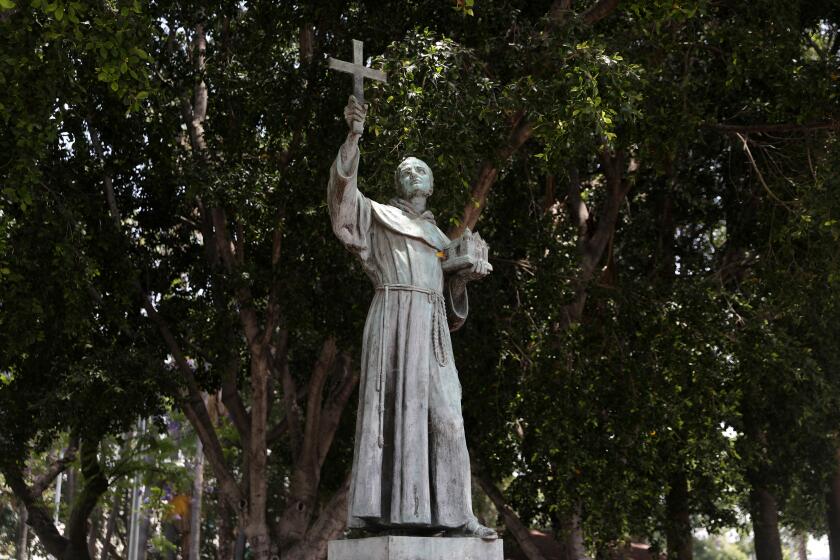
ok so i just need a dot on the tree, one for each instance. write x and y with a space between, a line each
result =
648 177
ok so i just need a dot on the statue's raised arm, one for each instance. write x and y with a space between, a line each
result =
354 114
349 209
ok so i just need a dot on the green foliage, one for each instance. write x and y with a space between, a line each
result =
706 348
716 547
435 86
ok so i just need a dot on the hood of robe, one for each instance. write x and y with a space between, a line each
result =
399 216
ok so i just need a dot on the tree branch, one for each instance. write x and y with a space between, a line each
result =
200 63
196 411
593 239
761 180
192 403
272 318
290 395
520 133
306 42
559 11
233 402
306 476
613 166
521 129
54 469
599 11
195 113
578 210
328 526
771 128
312 428
95 485
244 299
282 426
113 210
39 517
334 407
518 529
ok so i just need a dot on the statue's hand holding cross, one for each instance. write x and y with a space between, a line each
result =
356 111
359 72
355 114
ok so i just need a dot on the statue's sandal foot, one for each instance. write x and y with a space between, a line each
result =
475 530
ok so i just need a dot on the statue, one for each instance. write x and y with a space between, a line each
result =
411 468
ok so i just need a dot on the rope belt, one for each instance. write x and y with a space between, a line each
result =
439 331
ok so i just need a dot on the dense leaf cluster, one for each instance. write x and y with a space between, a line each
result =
701 364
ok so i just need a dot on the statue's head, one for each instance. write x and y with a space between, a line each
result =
413 177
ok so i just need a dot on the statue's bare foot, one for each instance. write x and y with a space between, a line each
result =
474 529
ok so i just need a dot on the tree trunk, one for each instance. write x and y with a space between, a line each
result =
239 549
833 512
678 529
95 529
170 533
70 485
57 500
133 527
257 527
571 539
765 521
110 526
139 522
143 537
328 526
306 476
225 531
512 522
195 504
22 540
801 538
93 485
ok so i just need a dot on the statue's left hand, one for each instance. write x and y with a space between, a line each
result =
481 264
479 270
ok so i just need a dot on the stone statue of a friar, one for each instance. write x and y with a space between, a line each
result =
411 468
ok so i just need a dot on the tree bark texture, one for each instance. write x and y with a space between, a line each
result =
678 530
329 525
195 504
307 469
833 512
571 538
110 526
765 520
226 537
257 528
801 539
95 529
595 233
518 529
143 537
521 131
73 546
22 540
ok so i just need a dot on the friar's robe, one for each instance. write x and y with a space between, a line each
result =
410 465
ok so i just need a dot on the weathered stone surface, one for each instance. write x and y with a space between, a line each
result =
415 548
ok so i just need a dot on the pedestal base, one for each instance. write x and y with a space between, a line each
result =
415 548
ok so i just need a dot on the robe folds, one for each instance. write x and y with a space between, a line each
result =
410 465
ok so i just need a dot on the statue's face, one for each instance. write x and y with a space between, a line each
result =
414 178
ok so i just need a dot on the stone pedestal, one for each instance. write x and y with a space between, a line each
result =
415 548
